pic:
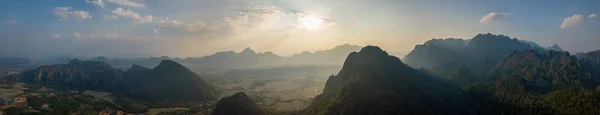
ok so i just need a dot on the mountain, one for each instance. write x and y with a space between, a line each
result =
533 82
555 47
230 59
496 46
373 82
237 104
545 72
480 54
432 53
531 43
455 73
332 56
77 73
167 81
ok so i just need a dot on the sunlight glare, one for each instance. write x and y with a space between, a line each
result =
311 22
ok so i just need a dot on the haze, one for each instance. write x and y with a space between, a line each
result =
191 28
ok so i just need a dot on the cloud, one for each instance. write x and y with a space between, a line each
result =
127 3
592 16
98 3
63 13
10 22
133 15
77 35
572 21
493 17
252 18
56 36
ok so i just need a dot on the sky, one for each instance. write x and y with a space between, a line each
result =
192 28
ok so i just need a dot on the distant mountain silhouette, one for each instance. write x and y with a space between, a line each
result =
555 48
230 59
373 82
13 62
532 44
243 59
331 56
237 104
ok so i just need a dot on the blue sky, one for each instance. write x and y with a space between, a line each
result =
182 28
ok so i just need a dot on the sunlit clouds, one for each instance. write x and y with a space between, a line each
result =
63 13
572 21
133 15
493 17
202 27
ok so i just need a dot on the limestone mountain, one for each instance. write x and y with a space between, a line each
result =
546 71
167 81
373 82
231 59
480 54
335 55
237 104
531 43
496 46
77 73
555 48
455 73
532 82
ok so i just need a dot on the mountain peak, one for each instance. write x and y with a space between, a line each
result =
74 61
137 67
237 104
555 47
372 50
367 74
248 50
168 64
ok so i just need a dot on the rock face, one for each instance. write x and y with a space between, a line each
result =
545 72
373 82
167 81
237 104
531 82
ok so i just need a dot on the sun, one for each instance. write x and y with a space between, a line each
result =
311 22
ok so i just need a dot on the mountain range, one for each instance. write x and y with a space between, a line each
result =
167 81
488 74
520 80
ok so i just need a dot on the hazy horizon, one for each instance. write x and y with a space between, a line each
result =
195 28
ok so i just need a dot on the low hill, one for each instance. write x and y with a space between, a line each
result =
237 104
